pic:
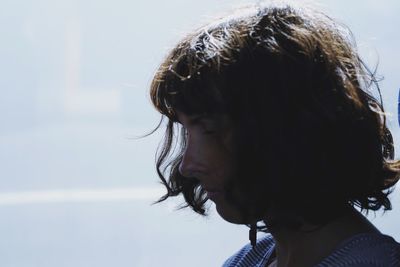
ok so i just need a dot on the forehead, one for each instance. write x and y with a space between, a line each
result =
194 119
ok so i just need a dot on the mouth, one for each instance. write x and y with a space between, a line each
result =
214 194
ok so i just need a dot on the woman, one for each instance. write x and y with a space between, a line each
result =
272 111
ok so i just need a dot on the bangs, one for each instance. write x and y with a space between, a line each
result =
187 89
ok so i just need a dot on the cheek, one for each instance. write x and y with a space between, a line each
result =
222 164
216 152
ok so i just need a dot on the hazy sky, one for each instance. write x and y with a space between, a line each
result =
75 187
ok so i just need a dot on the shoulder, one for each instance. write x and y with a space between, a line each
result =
249 256
368 249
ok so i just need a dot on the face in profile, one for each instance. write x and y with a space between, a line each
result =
209 157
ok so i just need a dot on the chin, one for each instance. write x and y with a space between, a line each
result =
229 213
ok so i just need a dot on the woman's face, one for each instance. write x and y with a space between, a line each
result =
209 157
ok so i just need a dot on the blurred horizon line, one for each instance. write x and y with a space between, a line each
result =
80 195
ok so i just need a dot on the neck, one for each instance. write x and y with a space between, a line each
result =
306 247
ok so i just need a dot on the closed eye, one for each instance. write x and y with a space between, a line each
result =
209 132
209 126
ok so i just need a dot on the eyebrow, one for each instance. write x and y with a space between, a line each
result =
197 119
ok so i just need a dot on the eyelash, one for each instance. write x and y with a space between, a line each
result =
209 132
204 131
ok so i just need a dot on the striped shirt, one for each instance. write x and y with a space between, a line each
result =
361 250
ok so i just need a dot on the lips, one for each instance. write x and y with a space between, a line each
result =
213 193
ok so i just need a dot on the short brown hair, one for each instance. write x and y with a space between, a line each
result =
310 135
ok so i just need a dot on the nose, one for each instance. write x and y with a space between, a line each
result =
187 166
184 166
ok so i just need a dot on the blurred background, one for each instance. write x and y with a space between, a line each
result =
76 187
